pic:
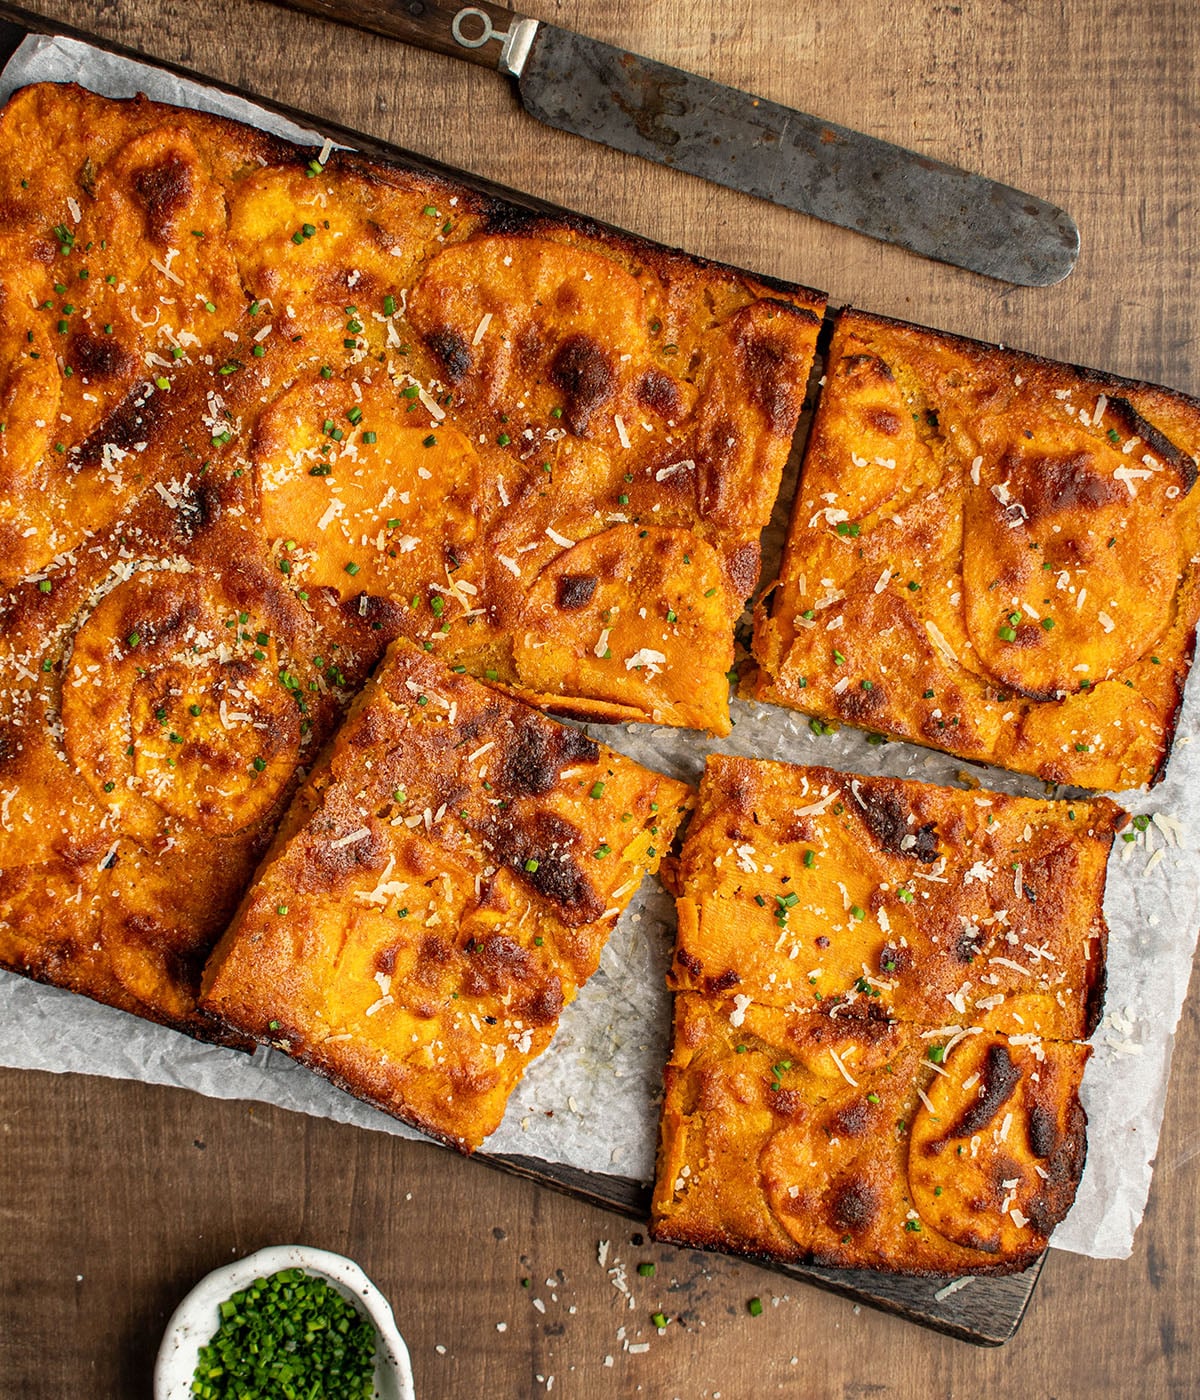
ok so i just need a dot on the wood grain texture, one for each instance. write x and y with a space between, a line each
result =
424 23
114 1197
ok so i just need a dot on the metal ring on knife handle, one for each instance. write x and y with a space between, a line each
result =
430 24
515 43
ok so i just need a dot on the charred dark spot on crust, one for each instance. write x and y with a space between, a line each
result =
1058 485
98 356
560 879
851 1119
740 793
545 1006
329 867
1000 1079
1053 870
853 1204
768 363
657 392
499 959
502 218
451 351
364 611
175 615
374 728
787 1102
435 951
582 369
966 945
548 843
893 959
385 961
803 314
1159 444
1094 1004
132 421
713 449
538 752
985 1244
870 1022
883 420
383 238
858 706
887 819
480 721
723 982
86 177
1063 1171
744 567
1042 1131
574 591
689 962
197 511
47 963
866 367
164 190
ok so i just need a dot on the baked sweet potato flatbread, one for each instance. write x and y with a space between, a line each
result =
260 414
883 990
861 1142
805 886
991 554
444 884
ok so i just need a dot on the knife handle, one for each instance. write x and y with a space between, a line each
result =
481 33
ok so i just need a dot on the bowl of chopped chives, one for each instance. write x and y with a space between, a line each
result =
285 1323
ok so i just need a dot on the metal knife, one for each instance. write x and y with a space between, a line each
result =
690 123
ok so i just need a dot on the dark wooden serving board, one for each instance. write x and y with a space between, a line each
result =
987 1311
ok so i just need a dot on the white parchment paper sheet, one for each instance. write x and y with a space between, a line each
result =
591 1099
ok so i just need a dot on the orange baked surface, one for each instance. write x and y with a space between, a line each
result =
991 554
882 992
804 887
260 414
443 886
837 1139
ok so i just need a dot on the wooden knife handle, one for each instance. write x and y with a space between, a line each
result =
475 32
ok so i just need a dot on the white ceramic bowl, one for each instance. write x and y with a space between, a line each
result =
196 1319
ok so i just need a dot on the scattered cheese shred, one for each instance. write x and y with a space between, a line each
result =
842 1070
351 838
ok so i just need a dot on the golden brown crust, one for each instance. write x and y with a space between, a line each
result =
805 887
235 382
445 885
991 554
881 991
838 1140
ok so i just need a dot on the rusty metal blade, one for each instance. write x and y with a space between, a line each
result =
652 110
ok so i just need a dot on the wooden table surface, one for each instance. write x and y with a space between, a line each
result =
115 1197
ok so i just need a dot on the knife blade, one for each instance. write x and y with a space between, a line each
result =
678 119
